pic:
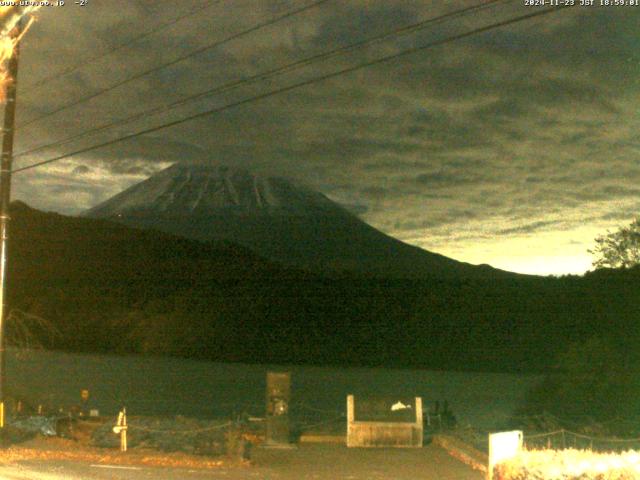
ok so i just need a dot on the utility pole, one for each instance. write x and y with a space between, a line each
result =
6 164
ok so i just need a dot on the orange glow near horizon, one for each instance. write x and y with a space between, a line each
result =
563 252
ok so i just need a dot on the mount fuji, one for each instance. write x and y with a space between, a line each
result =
275 218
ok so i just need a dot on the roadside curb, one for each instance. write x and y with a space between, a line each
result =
319 438
462 451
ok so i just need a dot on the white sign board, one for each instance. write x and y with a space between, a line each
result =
503 446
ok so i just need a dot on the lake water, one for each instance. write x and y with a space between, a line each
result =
168 387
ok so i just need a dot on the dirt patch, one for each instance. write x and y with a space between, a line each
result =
50 449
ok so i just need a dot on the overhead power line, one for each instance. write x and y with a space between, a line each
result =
269 74
182 58
304 83
126 44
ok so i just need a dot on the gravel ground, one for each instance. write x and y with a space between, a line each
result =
312 461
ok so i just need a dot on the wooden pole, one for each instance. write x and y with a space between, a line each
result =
6 163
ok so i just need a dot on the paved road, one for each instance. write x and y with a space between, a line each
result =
306 462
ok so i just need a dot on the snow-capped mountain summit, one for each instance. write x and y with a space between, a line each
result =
275 218
200 189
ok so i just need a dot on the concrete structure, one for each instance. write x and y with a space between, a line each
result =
277 408
384 422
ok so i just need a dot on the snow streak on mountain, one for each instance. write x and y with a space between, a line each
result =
195 189
275 218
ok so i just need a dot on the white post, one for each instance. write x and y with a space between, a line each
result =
121 429
123 432
350 417
419 418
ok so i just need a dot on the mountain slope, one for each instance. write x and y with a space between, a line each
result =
276 219
108 287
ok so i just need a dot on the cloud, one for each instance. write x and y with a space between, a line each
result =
354 22
529 228
518 131
81 170
444 179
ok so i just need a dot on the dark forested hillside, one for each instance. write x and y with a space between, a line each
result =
109 288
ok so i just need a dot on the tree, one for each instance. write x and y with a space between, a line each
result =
597 378
618 249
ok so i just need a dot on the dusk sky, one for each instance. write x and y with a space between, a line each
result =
515 147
